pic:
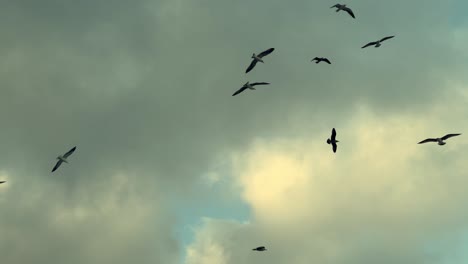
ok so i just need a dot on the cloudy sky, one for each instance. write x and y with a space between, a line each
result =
171 169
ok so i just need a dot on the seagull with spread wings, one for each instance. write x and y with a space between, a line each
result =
332 140
63 158
317 60
440 141
258 58
377 43
340 7
250 86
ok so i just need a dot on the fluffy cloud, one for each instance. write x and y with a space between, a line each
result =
382 197
103 222
143 89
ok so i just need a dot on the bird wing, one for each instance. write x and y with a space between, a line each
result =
337 5
449 136
69 152
428 140
251 66
266 52
389 37
240 90
334 147
259 83
316 58
326 60
2 182
333 135
369 44
350 12
57 165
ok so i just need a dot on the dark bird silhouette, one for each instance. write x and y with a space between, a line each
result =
250 86
332 140
2 182
377 43
440 141
63 158
258 58
259 249
340 7
317 60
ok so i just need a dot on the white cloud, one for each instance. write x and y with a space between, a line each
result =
380 197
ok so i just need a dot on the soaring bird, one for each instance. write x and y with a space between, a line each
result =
439 141
376 43
332 140
344 8
259 249
63 158
317 60
2 182
258 58
250 86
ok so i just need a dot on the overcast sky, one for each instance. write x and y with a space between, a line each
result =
171 169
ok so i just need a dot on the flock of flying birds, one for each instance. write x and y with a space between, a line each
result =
251 86
332 140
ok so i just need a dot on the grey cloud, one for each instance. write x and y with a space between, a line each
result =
144 87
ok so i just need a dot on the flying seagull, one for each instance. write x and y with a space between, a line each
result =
376 43
63 158
250 86
332 140
2 182
439 141
259 249
344 8
258 58
317 60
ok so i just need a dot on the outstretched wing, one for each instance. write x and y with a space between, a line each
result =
428 140
350 12
334 147
326 60
2 182
369 44
389 37
337 5
260 83
449 136
266 52
240 90
57 165
251 66
316 58
333 135
69 152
